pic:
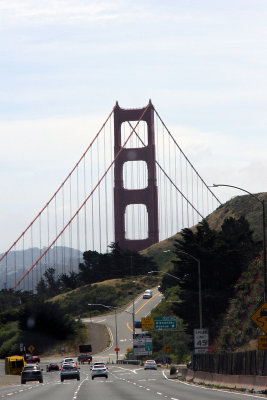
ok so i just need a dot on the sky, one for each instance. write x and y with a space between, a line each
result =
64 64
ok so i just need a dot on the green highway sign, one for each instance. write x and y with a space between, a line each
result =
165 323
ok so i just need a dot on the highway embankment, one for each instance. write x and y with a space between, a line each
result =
255 383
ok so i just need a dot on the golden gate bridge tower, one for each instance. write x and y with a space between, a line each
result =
147 196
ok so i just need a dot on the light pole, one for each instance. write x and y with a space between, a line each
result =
116 326
264 231
199 282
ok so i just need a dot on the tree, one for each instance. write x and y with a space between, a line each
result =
223 257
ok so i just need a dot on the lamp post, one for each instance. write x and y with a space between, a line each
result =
264 231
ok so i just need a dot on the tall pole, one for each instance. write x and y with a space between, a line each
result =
263 233
116 336
133 294
199 295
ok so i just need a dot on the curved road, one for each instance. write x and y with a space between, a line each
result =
142 308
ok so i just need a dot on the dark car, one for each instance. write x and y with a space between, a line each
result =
69 371
30 359
52 367
31 372
83 358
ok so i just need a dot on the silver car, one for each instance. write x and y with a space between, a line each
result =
99 370
69 371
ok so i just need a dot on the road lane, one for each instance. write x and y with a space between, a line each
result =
123 383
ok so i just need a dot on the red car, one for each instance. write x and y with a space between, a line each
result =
32 359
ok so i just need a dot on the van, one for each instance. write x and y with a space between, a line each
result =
147 294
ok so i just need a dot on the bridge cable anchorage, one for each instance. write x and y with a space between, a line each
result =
79 209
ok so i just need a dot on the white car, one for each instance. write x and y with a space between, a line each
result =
147 294
99 370
150 364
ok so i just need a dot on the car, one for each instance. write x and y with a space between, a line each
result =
69 371
30 359
99 370
67 360
31 372
147 294
138 324
52 367
83 358
150 364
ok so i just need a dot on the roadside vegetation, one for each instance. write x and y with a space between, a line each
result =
229 253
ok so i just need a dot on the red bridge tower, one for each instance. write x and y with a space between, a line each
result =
147 196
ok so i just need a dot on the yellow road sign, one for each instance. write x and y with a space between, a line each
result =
147 323
260 317
166 348
31 348
262 342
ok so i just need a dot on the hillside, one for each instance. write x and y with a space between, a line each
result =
244 205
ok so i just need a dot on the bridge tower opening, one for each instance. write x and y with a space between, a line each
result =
147 196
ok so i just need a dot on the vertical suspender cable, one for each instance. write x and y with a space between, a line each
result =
99 205
85 207
78 216
105 183
92 204
70 228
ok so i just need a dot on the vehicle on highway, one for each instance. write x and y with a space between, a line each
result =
52 367
69 371
138 324
14 365
31 372
147 294
83 358
67 360
99 370
150 364
31 359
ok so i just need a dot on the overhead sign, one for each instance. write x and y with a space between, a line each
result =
142 344
260 317
165 323
147 323
201 340
262 342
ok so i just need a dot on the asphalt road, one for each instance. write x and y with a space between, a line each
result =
125 383
142 308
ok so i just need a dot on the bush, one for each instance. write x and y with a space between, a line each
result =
172 370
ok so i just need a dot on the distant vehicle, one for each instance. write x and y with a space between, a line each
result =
99 370
150 364
31 372
138 324
52 367
14 365
67 360
99 363
30 359
147 294
69 371
83 358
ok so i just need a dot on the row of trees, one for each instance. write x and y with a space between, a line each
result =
96 267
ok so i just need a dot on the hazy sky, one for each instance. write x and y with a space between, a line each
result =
64 63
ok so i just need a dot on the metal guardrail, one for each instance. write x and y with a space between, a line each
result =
133 362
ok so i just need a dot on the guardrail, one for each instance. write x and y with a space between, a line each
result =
133 362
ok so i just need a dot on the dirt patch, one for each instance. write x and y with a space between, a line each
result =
98 337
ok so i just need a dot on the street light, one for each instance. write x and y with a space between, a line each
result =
116 325
264 231
199 282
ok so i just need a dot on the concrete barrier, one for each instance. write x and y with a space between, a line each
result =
6 380
247 382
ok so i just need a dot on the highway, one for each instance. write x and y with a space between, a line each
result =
142 308
123 383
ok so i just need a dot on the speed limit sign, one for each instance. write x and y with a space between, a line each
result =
201 339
